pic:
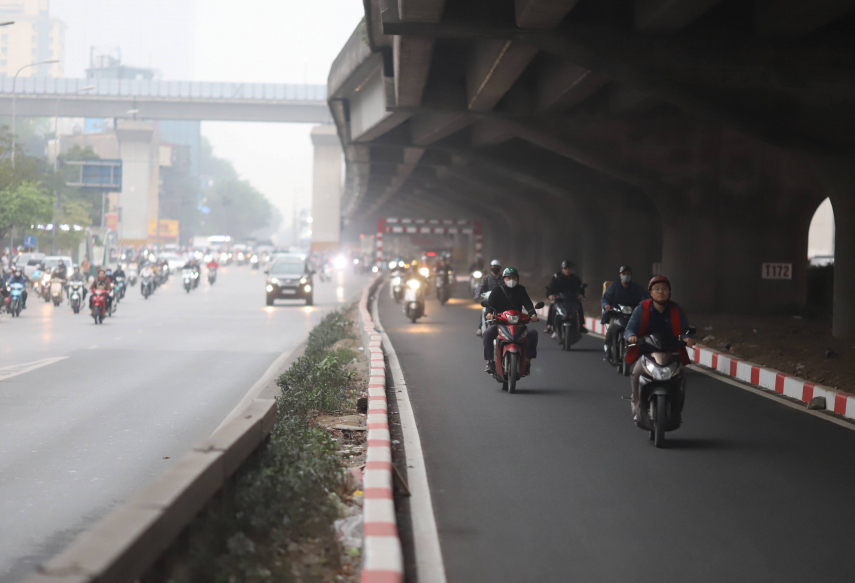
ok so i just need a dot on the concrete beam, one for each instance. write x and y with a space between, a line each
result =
412 57
562 84
669 15
542 13
493 68
796 17
428 128
487 134
420 10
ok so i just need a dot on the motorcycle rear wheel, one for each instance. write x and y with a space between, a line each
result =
513 369
659 421
96 313
566 339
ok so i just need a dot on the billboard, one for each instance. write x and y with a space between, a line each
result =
98 174
168 229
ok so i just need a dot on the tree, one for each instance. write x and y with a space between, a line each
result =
71 213
23 205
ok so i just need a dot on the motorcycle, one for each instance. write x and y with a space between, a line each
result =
662 387
37 282
616 347
76 295
99 305
397 288
511 350
45 288
253 261
146 286
414 300
484 311
196 275
119 287
15 301
56 288
475 279
212 275
188 276
443 287
566 321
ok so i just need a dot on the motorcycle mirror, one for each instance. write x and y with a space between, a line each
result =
538 306
484 303
691 330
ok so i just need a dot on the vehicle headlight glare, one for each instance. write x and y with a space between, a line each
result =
274 280
396 281
424 271
308 288
477 275
269 288
392 265
414 284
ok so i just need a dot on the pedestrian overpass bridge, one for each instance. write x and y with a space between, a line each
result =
172 100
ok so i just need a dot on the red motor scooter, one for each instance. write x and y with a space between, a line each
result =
99 305
511 348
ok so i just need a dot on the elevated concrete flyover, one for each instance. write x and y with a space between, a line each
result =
692 137
173 100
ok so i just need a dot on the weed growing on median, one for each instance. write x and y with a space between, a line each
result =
283 494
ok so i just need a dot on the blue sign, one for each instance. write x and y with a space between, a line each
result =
30 241
97 174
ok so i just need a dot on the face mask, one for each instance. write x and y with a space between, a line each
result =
625 278
495 269
511 283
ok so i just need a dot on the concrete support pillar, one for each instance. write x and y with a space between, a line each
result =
326 189
138 201
689 258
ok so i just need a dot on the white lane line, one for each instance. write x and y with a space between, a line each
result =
429 564
772 397
93 347
8 372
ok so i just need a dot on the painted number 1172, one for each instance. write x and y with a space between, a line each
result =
777 271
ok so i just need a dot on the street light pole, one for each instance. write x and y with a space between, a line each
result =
56 162
14 100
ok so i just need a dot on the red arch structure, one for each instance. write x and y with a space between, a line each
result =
426 227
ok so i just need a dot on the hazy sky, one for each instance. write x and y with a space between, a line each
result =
268 41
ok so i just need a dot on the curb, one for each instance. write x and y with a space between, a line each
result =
761 377
383 559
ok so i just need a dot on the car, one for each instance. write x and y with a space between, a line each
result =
174 261
28 262
288 279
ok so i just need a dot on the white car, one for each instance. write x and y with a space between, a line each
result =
28 262
174 260
52 261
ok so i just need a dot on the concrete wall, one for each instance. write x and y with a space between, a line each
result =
326 188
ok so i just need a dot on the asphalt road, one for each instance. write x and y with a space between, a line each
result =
555 483
123 400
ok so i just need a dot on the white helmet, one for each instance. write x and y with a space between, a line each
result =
496 262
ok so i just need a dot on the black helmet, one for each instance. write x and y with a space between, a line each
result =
625 268
567 264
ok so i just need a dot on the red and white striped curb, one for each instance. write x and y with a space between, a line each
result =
383 560
761 377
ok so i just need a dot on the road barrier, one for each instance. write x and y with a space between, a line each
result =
382 554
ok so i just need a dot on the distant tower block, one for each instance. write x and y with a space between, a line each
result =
326 189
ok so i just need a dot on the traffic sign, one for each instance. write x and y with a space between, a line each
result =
30 241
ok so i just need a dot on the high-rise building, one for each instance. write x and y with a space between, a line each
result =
35 37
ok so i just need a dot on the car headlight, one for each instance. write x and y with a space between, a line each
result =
269 288
303 280
396 281
477 275
414 284
274 280
307 289
424 271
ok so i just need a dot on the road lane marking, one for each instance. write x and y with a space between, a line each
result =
8 372
429 564
93 347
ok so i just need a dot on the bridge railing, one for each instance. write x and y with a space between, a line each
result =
168 90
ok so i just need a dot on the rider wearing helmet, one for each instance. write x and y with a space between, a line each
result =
657 315
624 292
77 276
102 281
568 283
488 283
509 295
19 277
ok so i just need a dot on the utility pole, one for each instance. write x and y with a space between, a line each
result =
15 100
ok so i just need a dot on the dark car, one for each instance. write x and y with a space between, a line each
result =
289 280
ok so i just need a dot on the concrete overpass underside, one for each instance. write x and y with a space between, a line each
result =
697 135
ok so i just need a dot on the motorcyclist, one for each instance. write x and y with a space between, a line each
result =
509 295
624 292
102 281
146 270
60 271
657 315
213 263
118 273
488 283
19 277
566 282
77 276
477 265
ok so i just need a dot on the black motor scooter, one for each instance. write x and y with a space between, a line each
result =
662 386
615 344
568 328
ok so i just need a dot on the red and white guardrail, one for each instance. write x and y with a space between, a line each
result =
760 376
383 560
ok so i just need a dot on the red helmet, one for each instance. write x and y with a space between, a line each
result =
658 279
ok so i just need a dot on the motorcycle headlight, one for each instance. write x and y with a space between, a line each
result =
375 269
659 373
424 271
414 284
46 277
396 281
392 265
513 319
626 309
477 275
254 259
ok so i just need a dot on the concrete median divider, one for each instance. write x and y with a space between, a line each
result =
382 554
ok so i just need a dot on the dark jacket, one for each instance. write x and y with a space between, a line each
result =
617 295
488 284
503 298
564 284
